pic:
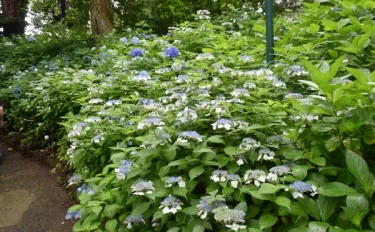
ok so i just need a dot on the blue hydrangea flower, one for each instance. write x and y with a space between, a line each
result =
123 40
171 204
134 220
135 40
172 52
86 189
73 214
206 207
150 122
136 52
142 188
143 74
223 123
30 39
189 135
123 169
173 180
300 187
75 179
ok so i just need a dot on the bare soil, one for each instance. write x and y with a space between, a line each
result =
31 200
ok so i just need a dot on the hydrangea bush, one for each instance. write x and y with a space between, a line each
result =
192 132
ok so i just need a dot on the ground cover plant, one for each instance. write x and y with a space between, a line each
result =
194 132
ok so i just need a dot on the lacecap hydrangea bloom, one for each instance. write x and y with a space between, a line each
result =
175 180
171 204
300 187
142 188
133 220
123 169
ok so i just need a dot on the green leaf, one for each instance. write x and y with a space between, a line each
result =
192 210
313 28
241 206
195 172
330 25
164 171
327 206
358 168
203 150
310 207
321 127
336 189
97 210
318 226
199 228
356 209
267 188
230 151
371 222
143 207
267 221
293 155
283 201
359 75
174 229
110 210
208 50
178 162
111 225
180 191
215 139
333 143
300 171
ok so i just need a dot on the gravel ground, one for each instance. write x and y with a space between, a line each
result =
30 198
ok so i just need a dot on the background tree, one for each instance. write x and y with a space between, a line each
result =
13 16
101 17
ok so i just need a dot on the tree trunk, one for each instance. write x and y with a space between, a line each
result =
101 17
14 12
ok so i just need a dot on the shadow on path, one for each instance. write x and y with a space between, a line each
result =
30 198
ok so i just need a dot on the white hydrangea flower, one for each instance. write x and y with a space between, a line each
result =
170 204
300 187
95 101
205 56
277 171
173 180
187 115
223 123
258 176
142 188
249 143
266 154
219 175
133 220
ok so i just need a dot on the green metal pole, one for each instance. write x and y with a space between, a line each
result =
269 31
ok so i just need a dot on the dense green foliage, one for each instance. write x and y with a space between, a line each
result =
180 140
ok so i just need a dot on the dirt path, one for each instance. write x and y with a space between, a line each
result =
30 198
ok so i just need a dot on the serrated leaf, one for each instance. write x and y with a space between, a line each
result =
192 210
267 221
241 206
111 225
327 206
267 188
195 172
143 207
283 201
199 228
336 189
359 168
333 143
357 207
